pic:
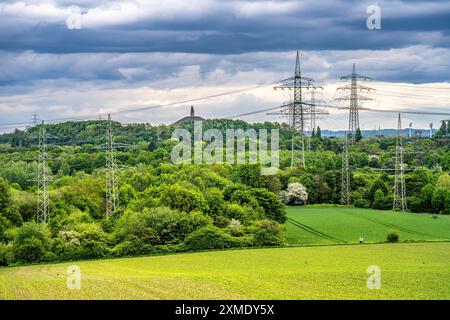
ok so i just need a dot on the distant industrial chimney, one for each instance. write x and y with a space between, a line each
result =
192 111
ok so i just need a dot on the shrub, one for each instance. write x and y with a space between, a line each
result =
5 195
126 194
392 236
31 243
159 225
6 254
130 248
93 241
214 198
186 200
221 221
235 211
268 233
209 238
295 194
248 174
273 207
441 200
4 225
415 204
91 249
361 203
13 215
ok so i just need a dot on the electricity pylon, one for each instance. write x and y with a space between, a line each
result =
296 109
112 192
399 183
345 174
313 112
354 98
43 178
35 118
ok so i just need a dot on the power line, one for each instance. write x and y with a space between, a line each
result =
91 116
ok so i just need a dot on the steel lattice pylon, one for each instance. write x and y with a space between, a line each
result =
296 109
43 178
112 193
345 174
399 183
354 98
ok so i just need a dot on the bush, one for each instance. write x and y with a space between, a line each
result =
159 225
67 249
221 221
131 248
441 200
295 194
362 203
12 214
6 254
5 195
185 200
209 238
273 207
92 249
4 225
392 236
214 198
31 243
93 241
268 233
415 204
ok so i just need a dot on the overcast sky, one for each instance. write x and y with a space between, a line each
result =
72 58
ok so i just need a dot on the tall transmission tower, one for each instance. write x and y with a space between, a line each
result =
112 192
345 174
43 178
35 118
313 103
296 110
354 98
312 111
399 183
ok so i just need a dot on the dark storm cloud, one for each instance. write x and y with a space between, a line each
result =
220 27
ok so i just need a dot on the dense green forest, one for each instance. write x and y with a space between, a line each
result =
169 208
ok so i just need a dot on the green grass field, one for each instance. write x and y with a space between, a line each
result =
408 271
311 225
335 271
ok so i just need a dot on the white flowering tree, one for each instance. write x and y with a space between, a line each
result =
295 194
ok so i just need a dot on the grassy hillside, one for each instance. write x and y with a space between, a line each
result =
408 271
335 225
